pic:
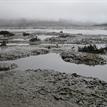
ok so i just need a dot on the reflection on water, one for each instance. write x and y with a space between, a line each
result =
54 61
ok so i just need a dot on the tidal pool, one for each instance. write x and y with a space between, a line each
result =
55 62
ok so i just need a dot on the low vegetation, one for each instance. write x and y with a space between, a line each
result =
92 49
21 52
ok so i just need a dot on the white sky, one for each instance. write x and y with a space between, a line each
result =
81 10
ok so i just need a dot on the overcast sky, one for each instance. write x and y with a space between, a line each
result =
80 10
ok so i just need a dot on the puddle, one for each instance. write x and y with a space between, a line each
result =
54 61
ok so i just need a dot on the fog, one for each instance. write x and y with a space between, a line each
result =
78 10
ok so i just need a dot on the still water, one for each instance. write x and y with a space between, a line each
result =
73 31
54 61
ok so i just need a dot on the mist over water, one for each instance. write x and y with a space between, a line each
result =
71 10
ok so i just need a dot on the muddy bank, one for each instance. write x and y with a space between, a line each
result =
20 52
78 39
83 58
7 66
47 88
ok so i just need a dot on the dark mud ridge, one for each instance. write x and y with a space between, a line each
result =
83 58
47 88
7 66
20 53
61 39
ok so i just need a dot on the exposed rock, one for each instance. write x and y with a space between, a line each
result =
75 75
83 58
35 41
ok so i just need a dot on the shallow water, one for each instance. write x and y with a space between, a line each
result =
43 37
18 44
54 61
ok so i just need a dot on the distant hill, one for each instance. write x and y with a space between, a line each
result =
23 23
102 25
